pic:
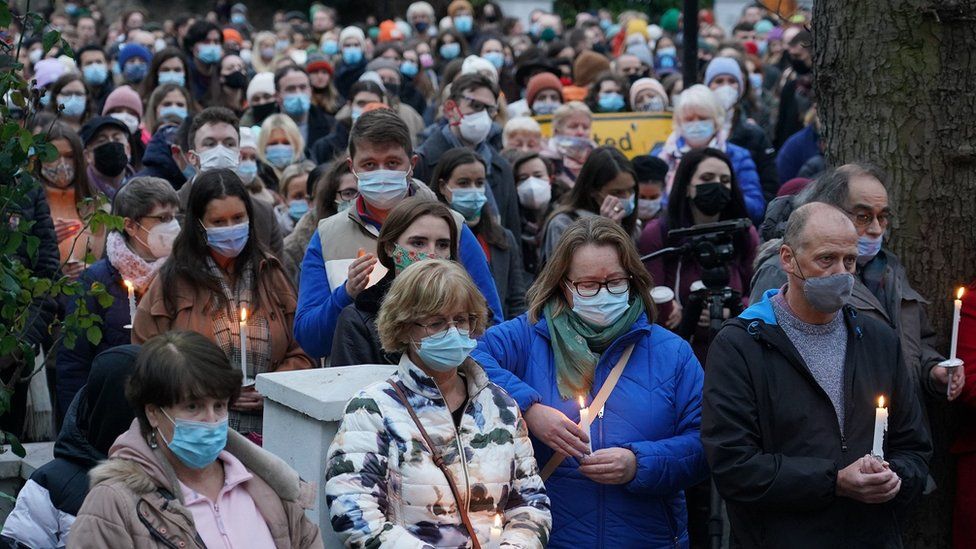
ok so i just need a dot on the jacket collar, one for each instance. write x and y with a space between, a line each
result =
419 382
640 328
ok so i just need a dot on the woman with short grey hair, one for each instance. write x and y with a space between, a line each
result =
148 207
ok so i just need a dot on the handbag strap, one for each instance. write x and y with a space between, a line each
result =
596 405
438 461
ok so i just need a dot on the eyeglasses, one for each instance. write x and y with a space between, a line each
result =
862 219
348 194
440 324
478 106
161 218
589 288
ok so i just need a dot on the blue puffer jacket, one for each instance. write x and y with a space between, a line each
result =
654 410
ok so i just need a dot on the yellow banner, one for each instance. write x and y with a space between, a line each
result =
632 133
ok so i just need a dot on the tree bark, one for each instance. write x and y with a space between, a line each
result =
896 85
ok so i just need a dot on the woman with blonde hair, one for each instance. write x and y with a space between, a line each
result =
570 144
279 144
588 341
436 455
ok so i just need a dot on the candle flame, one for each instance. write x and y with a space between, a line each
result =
243 314
128 284
582 402
960 292
881 401
498 520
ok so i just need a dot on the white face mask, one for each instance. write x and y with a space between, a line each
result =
534 193
475 127
727 96
161 237
219 157
129 120
647 209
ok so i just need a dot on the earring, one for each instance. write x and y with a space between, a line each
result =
153 443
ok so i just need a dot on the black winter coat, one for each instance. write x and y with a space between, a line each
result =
752 138
772 439
356 339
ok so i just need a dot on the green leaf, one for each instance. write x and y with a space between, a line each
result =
47 152
66 49
50 39
105 300
94 335
5 16
5 396
16 446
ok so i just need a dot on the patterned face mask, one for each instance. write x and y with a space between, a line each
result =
60 174
403 258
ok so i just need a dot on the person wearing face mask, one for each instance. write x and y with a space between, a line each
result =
796 87
229 86
882 288
648 95
448 46
213 142
705 191
698 123
421 17
324 93
417 229
279 145
125 105
606 94
461 14
107 149
607 186
724 77
292 196
808 455
468 113
544 94
218 268
202 44
196 481
261 99
71 99
295 100
148 207
432 313
381 160
352 65
651 172
459 182
94 70
533 180
134 59
590 313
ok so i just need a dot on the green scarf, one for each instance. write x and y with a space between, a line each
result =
577 345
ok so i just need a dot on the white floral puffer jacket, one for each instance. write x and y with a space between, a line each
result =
383 488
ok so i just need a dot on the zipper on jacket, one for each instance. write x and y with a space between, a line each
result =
220 525
671 523
843 443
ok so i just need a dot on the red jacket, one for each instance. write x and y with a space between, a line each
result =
966 439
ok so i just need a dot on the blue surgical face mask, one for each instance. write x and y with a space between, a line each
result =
409 69
496 58
172 77
352 55
355 113
628 205
756 80
282 44
297 208
210 53
450 51
671 51
95 74
611 102
188 171
248 170
601 310
135 72
867 247
469 202
699 132
197 443
545 107
228 241
279 155
173 110
382 189
72 106
238 18
297 104
46 99
446 350
463 23
330 47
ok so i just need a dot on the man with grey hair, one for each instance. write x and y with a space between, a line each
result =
788 414
881 286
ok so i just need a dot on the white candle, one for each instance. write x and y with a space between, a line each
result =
495 535
585 420
132 302
880 426
956 311
244 344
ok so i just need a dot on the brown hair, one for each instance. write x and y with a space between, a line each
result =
327 186
177 366
211 115
427 289
403 215
83 187
380 126
588 231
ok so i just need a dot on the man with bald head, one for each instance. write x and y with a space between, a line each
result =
788 414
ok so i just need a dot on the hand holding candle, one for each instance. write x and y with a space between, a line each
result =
585 420
132 303
953 362
880 426
244 345
495 535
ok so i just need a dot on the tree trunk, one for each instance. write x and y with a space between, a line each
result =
896 85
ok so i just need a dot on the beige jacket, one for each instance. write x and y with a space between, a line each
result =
135 500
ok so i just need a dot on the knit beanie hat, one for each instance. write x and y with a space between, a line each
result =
542 81
249 136
133 50
263 82
724 65
353 32
763 26
587 66
644 84
458 5
317 61
383 63
637 26
390 32
123 96
650 168
669 21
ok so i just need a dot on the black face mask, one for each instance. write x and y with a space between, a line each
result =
235 81
261 112
799 66
711 198
320 91
110 158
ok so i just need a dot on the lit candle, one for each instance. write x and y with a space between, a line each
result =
880 426
244 343
956 310
495 535
585 420
132 302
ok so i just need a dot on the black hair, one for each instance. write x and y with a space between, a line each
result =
593 93
602 166
487 227
197 32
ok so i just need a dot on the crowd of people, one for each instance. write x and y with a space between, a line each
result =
592 346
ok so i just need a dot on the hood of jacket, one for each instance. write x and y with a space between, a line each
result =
159 160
